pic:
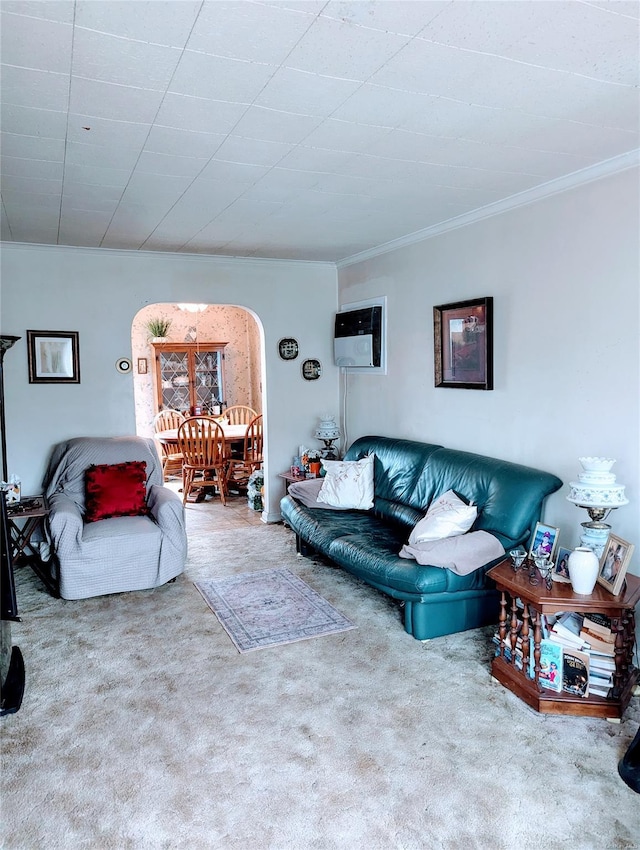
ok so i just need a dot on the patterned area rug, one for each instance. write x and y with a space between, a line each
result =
270 608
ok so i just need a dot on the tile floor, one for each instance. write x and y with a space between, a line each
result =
213 515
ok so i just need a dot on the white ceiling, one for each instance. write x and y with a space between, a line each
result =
306 130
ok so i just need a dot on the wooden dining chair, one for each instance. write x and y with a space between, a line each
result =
239 470
239 414
204 458
169 420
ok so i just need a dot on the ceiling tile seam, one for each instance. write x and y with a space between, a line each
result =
491 108
526 64
151 124
129 38
67 121
359 25
608 10
6 215
276 68
30 68
36 17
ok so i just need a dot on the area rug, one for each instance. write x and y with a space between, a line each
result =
270 608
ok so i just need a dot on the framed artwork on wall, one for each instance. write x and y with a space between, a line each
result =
54 357
142 365
463 344
288 348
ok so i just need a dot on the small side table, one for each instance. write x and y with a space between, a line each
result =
290 479
25 518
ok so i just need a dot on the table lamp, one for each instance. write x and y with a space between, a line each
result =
328 432
596 491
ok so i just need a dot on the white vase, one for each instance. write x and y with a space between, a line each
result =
583 570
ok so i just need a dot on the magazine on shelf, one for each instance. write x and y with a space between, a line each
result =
575 672
568 624
550 665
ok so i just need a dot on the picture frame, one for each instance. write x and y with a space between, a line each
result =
545 539
614 563
463 344
54 357
142 366
561 566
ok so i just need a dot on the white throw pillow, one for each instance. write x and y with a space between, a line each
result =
348 484
447 516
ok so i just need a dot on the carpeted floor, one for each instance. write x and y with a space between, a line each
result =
143 728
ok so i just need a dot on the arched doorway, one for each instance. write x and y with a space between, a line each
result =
234 326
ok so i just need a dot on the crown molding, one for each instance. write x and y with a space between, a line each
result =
602 169
209 259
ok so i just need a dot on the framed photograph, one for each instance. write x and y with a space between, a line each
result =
545 541
142 365
561 566
463 344
614 563
54 357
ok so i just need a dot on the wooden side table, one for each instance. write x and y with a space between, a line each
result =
25 518
537 600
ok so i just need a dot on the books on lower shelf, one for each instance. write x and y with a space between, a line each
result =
550 675
569 662
575 672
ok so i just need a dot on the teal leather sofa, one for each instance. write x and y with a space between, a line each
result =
408 475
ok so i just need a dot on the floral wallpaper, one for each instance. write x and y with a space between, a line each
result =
217 323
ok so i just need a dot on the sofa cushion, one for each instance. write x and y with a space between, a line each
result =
115 490
447 516
348 484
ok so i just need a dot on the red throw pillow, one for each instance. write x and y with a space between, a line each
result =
117 489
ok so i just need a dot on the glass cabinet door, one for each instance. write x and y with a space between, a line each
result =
207 370
174 380
189 376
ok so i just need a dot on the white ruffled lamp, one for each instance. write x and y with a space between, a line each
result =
328 432
596 491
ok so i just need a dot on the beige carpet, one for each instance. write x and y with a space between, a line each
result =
143 728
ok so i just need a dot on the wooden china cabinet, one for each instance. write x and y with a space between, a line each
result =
189 375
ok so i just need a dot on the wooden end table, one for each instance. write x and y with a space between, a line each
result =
537 600
25 518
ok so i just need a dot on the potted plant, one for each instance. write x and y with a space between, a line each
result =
313 459
158 328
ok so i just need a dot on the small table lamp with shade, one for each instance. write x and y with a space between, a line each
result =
328 432
596 491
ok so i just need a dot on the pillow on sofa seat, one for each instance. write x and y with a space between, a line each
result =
461 554
348 484
116 489
447 516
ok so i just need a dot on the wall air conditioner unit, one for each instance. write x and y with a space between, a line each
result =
358 337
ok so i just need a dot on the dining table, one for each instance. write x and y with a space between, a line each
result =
232 434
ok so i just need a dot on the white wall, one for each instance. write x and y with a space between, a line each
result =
98 293
564 275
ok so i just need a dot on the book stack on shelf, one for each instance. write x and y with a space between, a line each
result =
588 649
577 653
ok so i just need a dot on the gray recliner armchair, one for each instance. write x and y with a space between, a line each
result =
120 553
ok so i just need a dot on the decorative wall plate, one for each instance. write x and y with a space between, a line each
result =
288 348
311 370
123 365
